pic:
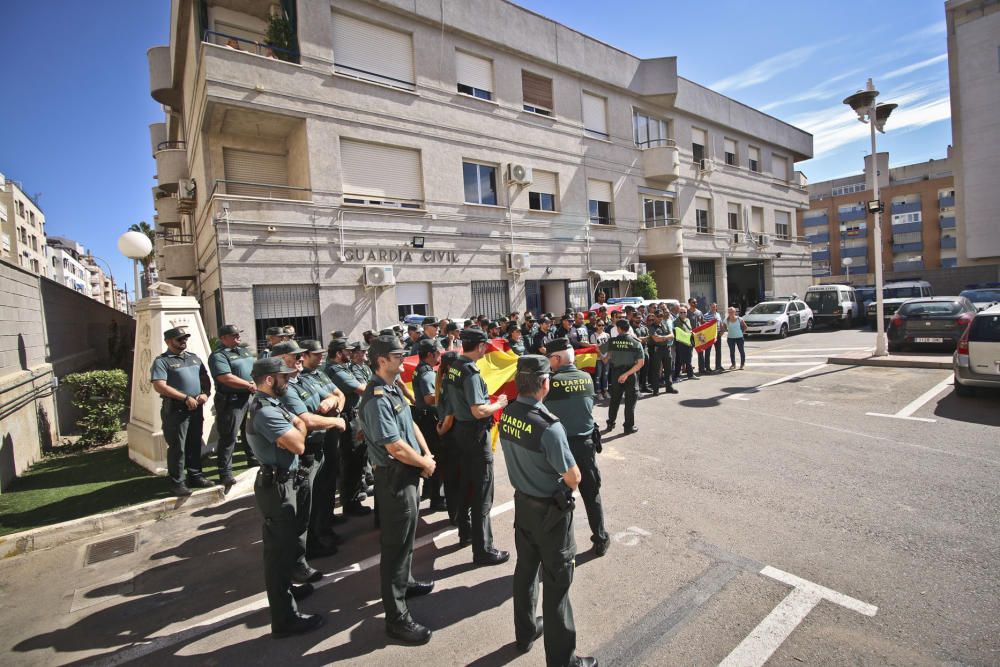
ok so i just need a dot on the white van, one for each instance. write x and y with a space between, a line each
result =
834 304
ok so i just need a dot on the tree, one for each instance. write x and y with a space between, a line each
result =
644 286
143 228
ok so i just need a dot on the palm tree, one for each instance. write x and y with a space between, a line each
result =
143 227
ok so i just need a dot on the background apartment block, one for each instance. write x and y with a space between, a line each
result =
23 240
489 175
67 264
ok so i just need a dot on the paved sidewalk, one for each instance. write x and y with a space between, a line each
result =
912 360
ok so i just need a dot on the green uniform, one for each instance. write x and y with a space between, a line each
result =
517 347
426 417
230 404
625 351
352 453
385 418
182 428
327 457
537 454
304 396
466 388
661 356
275 495
642 331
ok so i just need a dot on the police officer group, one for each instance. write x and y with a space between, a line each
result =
308 426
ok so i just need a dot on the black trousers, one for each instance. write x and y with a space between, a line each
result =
230 421
182 430
590 486
682 359
661 368
449 464
397 501
645 380
473 441
426 421
324 485
546 550
353 456
618 390
277 506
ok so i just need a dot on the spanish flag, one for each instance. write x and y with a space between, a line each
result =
705 335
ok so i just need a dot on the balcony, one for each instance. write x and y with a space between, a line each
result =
821 255
854 234
908 227
661 162
949 262
905 207
948 222
178 257
800 180
907 247
946 202
914 265
854 252
853 214
816 221
820 272
663 238
167 214
171 165
858 269
157 135
818 238
161 77
949 242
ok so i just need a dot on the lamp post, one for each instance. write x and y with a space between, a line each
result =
110 275
847 261
135 246
863 104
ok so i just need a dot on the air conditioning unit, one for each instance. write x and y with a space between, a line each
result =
706 166
187 189
765 239
518 261
379 276
738 237
638 268
518 174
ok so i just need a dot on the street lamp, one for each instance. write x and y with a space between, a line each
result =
135 246
863 104
847 261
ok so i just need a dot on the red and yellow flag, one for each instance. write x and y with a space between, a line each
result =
705 335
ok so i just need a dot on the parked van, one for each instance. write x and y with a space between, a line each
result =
894 295
833 304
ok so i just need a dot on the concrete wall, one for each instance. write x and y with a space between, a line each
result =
27 413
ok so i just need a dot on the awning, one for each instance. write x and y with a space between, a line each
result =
613 276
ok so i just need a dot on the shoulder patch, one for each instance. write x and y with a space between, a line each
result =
378 391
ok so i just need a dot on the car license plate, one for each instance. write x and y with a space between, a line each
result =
928 340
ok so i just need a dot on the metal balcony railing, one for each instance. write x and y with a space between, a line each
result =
250 46
262 190
661 222
170 145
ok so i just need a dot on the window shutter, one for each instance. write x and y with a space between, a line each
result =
377 170
372 52
702 204
754 154
413 293
253 167
599 190
779 166
474 71
595 114
698 137
537 90
543 181
730 146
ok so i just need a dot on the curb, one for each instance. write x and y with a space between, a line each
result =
47 537
890 362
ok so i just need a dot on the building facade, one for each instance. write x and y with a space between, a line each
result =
65 259
398 159
23 229
973 27
919 230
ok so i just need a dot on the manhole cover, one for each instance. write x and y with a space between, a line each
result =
113 548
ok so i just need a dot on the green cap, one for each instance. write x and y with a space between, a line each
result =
229 330
176 332
533 364
384 345
286 347
427 345
473 335
269 366
557 345
310 345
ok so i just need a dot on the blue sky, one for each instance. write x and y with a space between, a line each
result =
76 110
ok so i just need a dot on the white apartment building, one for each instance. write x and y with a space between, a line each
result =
66 262
452 159
23 229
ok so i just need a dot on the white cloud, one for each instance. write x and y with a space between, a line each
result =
767 69
915 66
936 28
821 92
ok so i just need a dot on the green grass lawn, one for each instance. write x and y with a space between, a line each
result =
62 487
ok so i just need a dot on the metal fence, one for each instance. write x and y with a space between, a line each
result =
490 298
280 305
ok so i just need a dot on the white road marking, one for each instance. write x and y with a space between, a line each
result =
737 397
631 536
769 634
917 403
257 602
812 355
753 363
818 349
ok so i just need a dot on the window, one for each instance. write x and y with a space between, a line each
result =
278 305
255 174
599 195
372 53
542 191
733 216
906 218
779 167
657 212
537 93
413 299
490 297
908 237
381 175
595 116
730 147
698 143
20 208
753 161
31 218
850 188
650 132
474 75
480 183
782 224
702 219
55 266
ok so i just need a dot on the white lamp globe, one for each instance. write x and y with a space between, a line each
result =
134 245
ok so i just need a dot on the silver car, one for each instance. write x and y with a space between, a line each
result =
977 356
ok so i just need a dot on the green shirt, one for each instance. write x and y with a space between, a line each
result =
362 372
517 347
231 360
345 381
467 388
183 372
385 418
268 420
423 384
625 350
664 328
535 447
571 399
319 381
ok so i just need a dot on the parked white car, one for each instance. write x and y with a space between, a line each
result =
977 356
779 318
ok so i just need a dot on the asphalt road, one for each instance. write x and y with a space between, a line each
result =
751 523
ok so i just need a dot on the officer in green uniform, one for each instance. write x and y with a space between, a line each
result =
425 415
338 369
626 360
302 401
571 399
661 337
515 339
277 437
180 378
544 474
400 458
473 412
641 332
230 365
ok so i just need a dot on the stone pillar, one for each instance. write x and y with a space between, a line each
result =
154 315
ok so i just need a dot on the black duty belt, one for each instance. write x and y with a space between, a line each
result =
580 440
534 499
